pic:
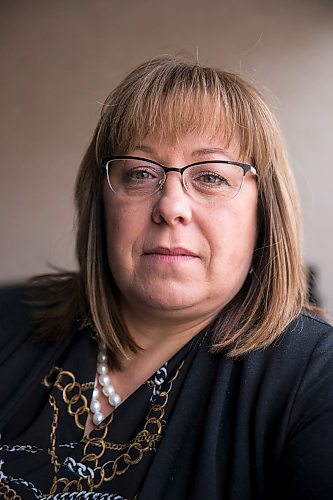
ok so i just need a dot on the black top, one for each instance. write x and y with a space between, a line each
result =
259 427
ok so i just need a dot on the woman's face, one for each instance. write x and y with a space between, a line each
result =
169 254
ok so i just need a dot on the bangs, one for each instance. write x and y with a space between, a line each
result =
171 116
170 98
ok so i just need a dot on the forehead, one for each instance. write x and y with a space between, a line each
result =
190 145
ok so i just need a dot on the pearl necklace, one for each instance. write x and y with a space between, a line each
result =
108 390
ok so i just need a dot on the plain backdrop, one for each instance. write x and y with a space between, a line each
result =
59 60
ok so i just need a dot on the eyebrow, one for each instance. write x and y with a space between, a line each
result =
209 151
142 147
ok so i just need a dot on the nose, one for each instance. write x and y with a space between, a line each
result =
174 204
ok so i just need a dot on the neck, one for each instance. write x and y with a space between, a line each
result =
159 338
163 331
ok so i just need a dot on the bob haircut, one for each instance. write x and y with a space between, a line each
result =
170 96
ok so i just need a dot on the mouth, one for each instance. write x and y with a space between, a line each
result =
170 254
177 251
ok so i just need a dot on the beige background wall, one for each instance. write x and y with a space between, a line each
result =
59 59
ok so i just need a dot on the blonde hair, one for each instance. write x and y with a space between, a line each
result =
170 96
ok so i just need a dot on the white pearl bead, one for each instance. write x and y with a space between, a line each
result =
115 400
95 405
108 390
98 418
102 368
104 379
102 357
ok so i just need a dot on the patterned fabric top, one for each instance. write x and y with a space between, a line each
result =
51 457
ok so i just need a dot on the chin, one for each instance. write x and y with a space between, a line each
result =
169 299
169 304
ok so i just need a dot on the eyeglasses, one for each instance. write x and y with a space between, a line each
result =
135 177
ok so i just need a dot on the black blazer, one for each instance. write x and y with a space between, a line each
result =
258 427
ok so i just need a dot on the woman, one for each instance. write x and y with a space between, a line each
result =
213 377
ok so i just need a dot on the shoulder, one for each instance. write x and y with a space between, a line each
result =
19 315
305 336
307 344
24 357
308 322
18 344
15 315
301 354
297 367
305 463
12 297
18 353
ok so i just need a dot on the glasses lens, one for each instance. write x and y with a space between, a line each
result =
214 180
132 178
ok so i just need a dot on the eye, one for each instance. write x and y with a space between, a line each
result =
210 179
140 174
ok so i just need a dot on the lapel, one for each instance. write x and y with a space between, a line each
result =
186 448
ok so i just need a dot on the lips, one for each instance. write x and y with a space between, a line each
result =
176 251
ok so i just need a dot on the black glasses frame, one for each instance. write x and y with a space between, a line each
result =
245 166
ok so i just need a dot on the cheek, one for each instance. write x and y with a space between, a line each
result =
234 244
124 225
118 231
114 224
246 233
